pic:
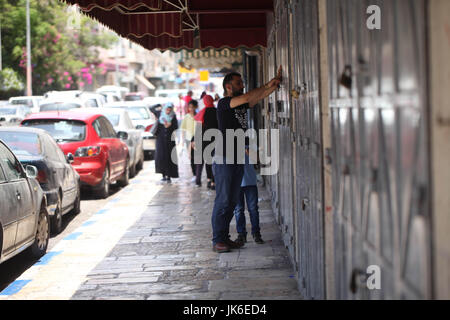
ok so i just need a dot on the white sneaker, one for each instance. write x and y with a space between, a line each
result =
193 179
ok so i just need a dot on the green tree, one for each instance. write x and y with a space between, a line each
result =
10 84
61 55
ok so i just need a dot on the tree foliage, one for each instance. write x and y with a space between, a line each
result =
64 53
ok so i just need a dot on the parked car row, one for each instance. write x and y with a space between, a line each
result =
47 160
105 97
89 140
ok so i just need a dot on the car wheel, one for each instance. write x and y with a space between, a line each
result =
125 180
39 247
56 221
77 204
103 191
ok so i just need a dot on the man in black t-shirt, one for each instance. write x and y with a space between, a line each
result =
228 170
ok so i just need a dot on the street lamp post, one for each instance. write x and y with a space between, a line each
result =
118 48
1 65
29 85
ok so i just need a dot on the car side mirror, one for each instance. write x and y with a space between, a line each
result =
70 158
31 171
122 135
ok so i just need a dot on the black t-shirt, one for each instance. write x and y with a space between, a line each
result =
231 118
210 119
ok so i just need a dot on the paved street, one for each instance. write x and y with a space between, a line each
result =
153 241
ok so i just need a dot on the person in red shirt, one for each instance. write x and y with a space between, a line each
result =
208 118
186 100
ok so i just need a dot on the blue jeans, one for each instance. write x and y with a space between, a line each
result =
228 179
251 195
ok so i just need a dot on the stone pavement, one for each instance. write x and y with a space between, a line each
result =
159 247
167 254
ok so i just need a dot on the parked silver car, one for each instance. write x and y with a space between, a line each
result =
56 176
24 221
141 118
121 121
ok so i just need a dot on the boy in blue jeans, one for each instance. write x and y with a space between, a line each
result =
249 191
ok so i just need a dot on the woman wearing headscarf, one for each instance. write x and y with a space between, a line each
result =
201 104
208 117
188 131
166 125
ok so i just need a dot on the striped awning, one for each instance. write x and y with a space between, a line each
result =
183 24
211 58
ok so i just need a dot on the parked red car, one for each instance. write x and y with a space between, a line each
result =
90 142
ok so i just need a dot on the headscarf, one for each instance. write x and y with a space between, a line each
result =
164 116
209 103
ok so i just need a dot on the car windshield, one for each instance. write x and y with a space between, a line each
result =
113 118
22 143
138 113
60 130
8 111
58 106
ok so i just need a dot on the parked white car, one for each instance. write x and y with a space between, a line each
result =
93 100
31 101
121 121
142 119
12 115
116 90
98 100
63 93
111 97
62 104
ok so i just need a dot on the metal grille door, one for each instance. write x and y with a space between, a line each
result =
308 150
272 124
379 149
285 132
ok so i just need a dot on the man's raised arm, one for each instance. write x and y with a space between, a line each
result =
254 96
